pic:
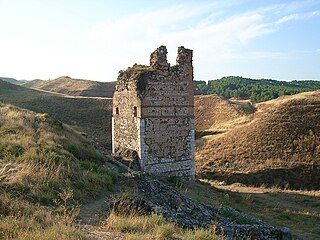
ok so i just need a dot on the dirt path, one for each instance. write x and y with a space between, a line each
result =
95 233
93 212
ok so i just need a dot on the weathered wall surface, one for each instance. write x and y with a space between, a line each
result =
167 109
162 133
125 124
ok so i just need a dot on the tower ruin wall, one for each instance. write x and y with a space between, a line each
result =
161 129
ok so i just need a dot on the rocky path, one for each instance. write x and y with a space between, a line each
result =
94 212
95 233
153 195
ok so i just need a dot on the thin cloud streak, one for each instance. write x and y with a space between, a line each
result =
298 16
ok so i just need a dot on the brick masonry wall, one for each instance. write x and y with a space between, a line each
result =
125 125
162 131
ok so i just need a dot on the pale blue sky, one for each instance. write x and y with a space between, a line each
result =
95 39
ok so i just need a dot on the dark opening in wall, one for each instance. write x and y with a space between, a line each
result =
117 110
135 111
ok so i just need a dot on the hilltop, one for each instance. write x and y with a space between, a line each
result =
13 80
257 90
89 115
278 144
43 163
74 87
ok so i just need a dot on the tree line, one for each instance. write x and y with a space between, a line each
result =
254 89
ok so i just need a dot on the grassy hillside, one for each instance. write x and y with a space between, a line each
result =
256 90
44 163
278 146
74 87
212 111
46 170
90 115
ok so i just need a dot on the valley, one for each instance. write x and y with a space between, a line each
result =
261 159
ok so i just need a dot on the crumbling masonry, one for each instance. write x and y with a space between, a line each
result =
153 115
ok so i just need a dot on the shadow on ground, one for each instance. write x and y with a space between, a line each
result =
300 177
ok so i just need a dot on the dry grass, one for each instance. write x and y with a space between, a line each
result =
39 158
89 115
213 112
297 209
279 146
22 219
130 218
41 154
153 226
253 147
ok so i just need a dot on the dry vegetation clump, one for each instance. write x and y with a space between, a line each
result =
21 219
154 226
89 115
284 134
137 225
39 158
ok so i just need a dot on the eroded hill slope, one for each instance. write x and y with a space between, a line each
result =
279 146
74 87
213 112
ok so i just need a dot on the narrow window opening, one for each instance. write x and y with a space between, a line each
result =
117 110
135 111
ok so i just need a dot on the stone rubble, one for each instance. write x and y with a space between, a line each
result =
158 197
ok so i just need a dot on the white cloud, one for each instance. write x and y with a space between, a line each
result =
298 16
288 18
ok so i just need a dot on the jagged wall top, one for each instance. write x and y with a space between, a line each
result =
184 56
158 58
135 77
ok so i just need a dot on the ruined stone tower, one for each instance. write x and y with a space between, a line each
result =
153 115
